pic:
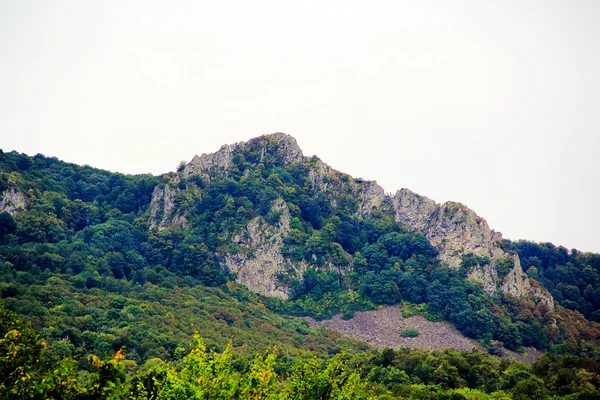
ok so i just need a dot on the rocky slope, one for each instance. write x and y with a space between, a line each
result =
381 328
452 228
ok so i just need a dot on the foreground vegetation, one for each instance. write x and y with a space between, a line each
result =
202 374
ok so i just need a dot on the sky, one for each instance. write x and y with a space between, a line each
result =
493 104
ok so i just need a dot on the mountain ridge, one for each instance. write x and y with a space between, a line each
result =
452 228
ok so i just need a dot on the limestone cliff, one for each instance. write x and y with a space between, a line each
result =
285 146
163 212
455 230
260 260
12 199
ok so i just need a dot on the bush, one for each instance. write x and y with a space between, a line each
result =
409 333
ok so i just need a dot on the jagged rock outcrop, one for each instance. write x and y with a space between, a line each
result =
220 162
328 181
12 200
325 180
162 208
260 261
455 230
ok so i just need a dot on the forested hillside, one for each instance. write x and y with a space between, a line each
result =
102 263
573 277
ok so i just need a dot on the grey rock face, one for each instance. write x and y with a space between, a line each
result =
455 230
162 208
12 200
220 162
333 183
258 267
373 197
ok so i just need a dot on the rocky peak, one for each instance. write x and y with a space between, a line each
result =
373 196
163 210
455 231
280 144
413 209
453 228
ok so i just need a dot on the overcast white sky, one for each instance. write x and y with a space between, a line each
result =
495 104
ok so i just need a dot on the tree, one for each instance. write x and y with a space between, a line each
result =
530 389
8 226
336 381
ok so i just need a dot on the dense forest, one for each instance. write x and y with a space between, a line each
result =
123 310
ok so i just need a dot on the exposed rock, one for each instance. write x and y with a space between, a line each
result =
516 281
373 197
413 209
452 228
12 200
455 230
220 162
258 267
319 176
381 328
162 208
487 277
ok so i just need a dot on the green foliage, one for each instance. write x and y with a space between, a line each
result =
573 277
409 333
23 375
207 375
8 226
504 266
335 381
410 309
204 373
89 228
470 260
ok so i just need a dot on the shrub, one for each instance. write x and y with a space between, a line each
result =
409 333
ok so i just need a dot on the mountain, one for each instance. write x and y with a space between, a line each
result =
236 245
452 228
288 226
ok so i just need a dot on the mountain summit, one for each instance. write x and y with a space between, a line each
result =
459 235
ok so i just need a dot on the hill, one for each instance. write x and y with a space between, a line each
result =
236 243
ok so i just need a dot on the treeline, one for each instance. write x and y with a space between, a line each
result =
204 374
